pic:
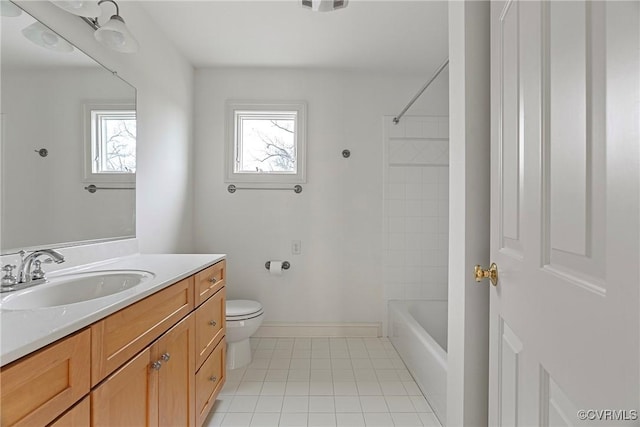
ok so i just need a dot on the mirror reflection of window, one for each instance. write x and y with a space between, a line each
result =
49 90
110 142
113 142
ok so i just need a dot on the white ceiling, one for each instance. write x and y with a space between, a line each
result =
384 36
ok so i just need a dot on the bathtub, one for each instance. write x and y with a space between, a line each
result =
418 331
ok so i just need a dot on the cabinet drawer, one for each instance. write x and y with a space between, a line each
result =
209 381
118 337
40 387
210 325
209 281
78 416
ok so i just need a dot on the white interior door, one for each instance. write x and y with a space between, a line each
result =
564 323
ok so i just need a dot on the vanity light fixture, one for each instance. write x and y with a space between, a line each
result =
325 5
113 34
44 37
9 9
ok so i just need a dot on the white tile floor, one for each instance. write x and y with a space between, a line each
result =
343 382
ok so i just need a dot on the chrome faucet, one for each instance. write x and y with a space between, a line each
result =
25 275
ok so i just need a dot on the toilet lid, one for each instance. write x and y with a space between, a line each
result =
242 307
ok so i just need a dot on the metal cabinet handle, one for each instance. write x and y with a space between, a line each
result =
213 378
158 363
213 280
212 322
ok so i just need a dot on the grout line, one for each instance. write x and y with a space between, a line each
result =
373 368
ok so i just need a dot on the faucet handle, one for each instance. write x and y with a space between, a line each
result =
9 279
37 273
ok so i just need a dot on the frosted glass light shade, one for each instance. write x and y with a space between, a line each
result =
44 37
325 5
115 36
90 9
9 9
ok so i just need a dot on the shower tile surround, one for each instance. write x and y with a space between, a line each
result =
322 382
416 217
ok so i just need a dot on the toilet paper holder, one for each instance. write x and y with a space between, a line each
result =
285 265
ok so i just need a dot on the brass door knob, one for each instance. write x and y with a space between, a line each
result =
491 274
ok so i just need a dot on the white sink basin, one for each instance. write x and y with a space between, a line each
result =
75 288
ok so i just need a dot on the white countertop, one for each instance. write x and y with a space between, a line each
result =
24 331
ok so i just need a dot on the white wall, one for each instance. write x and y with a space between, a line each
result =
164 80
43 108
469 219
338 216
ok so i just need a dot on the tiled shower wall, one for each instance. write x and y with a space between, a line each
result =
416 208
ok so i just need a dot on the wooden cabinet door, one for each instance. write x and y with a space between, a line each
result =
78 416
38 388
174 353
128 397
118 337
157 387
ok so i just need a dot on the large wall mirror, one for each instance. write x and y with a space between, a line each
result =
68 129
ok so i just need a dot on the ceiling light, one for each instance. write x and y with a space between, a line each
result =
78 7
44 37
9 9
325 5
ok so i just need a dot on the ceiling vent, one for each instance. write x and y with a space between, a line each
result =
325 5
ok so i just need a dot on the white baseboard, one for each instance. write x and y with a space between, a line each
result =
342 330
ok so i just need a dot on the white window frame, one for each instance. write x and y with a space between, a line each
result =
90 130
300 138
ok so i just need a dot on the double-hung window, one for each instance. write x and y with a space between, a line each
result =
266 142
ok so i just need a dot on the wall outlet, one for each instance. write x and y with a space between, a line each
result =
296 247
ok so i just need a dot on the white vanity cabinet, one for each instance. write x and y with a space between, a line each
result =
159 361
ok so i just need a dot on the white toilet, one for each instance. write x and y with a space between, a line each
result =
244 317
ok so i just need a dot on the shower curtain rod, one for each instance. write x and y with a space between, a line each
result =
397 118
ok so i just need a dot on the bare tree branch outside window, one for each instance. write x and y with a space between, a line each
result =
120 147
269 145
114 148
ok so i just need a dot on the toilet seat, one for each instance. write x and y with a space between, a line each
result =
242 309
